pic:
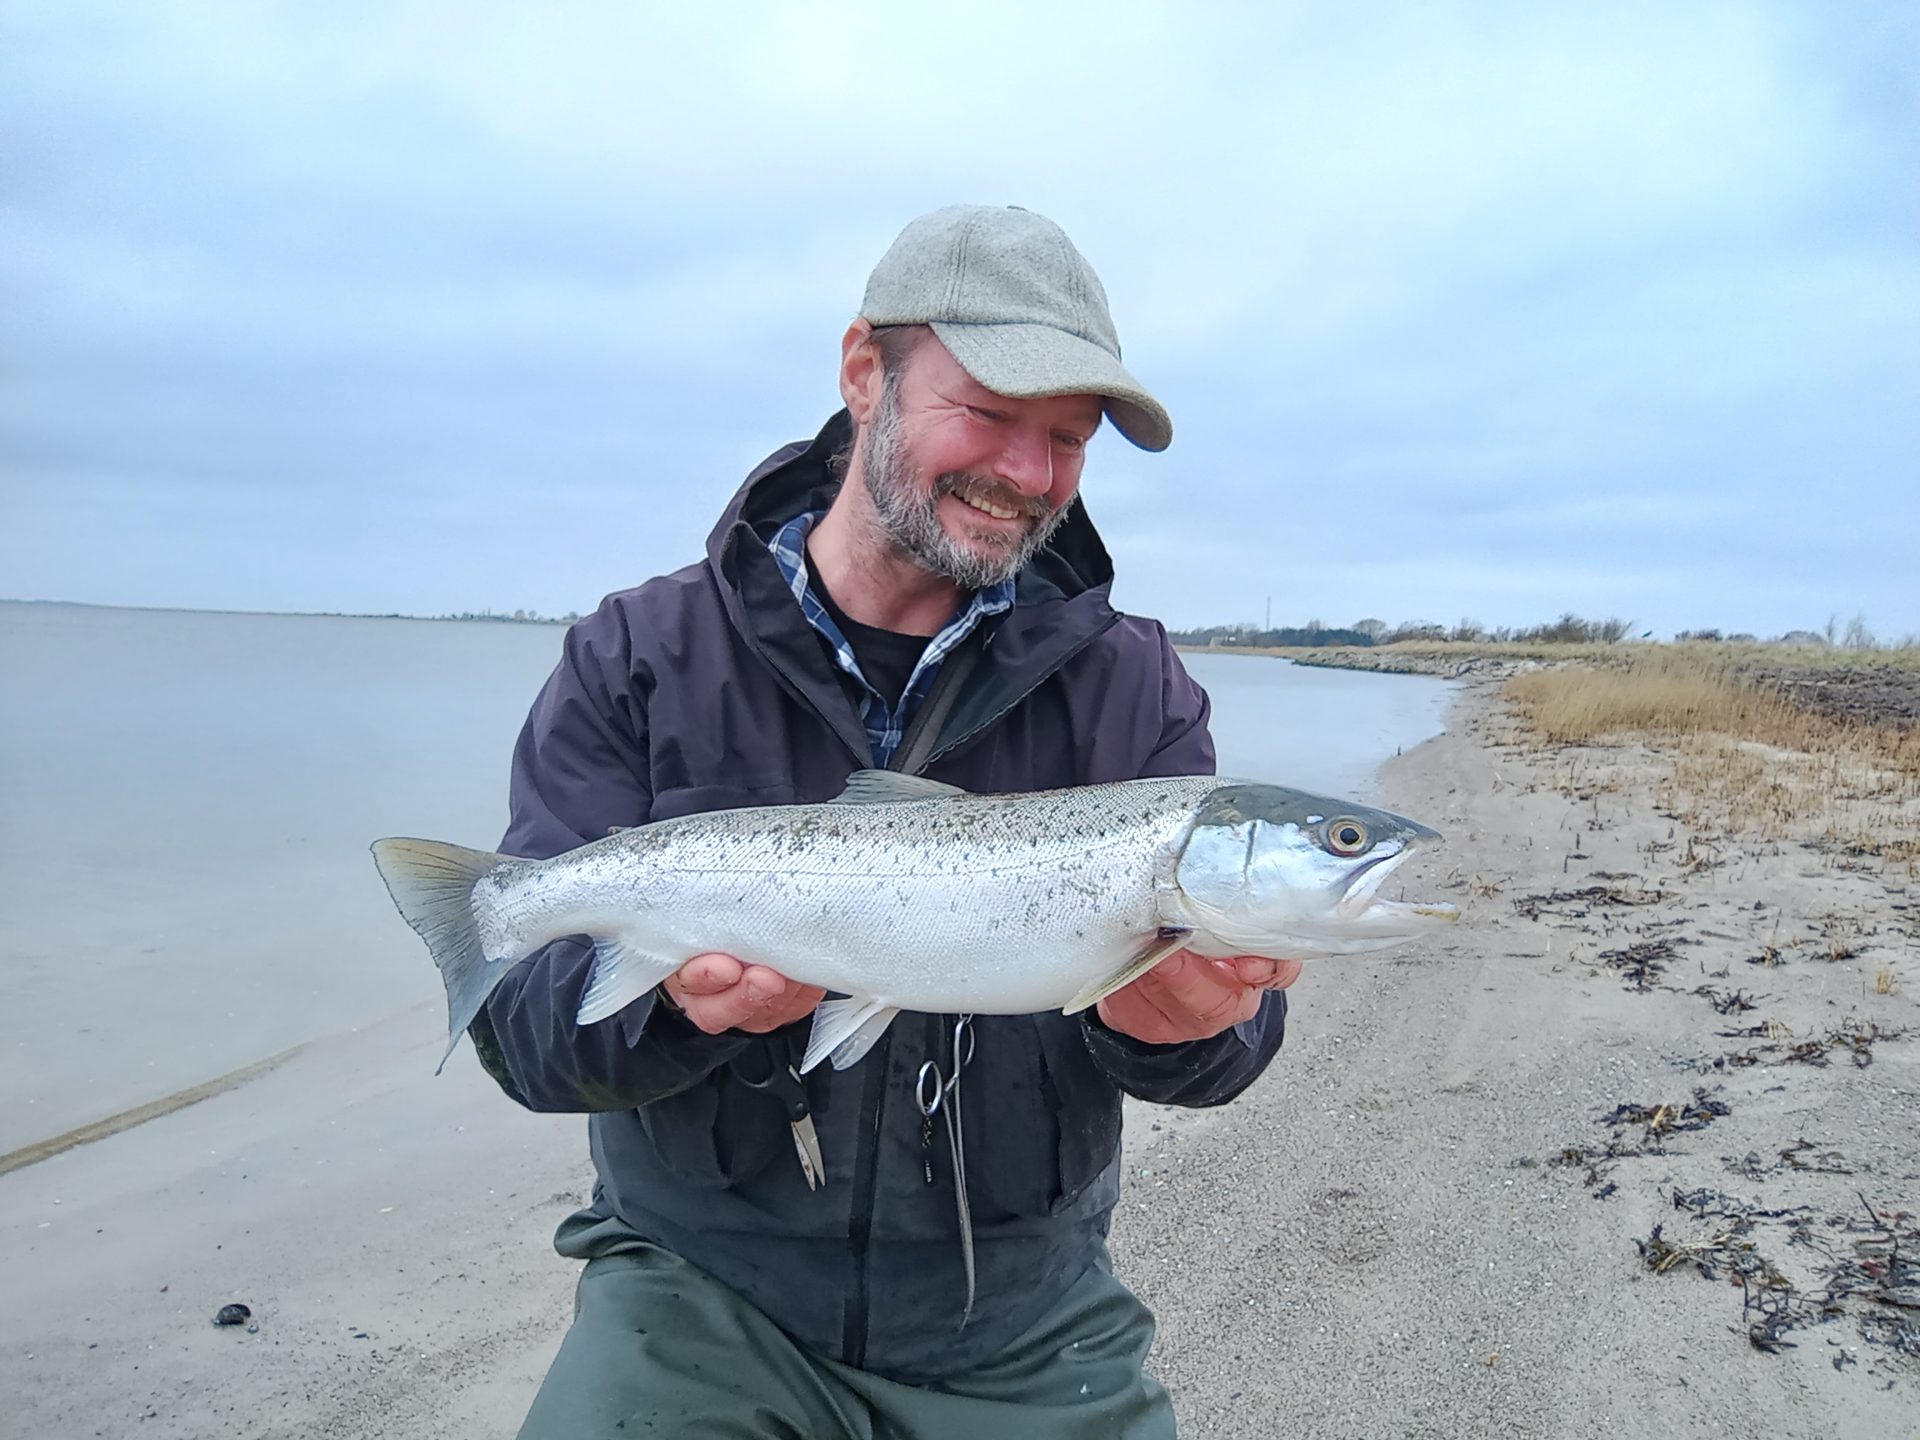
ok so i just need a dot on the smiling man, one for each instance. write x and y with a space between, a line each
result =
880 1251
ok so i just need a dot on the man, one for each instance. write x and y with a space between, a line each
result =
916 588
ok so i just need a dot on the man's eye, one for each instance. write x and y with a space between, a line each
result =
979 414
1070 442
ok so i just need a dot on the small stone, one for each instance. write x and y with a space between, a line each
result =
234 1314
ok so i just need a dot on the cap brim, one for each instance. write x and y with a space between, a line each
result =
1029 361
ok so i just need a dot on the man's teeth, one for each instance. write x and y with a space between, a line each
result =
999 512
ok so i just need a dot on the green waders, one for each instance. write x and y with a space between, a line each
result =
658 1347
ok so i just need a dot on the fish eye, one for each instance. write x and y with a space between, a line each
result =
1346 837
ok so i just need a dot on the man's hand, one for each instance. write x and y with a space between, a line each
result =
1188 997
718 993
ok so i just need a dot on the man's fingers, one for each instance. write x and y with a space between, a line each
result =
1256 970
1185 982
720 993
1127 1012
762 989
708 975
791 1003
1161 1012
1246 969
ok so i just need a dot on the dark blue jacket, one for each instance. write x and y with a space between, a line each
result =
706 689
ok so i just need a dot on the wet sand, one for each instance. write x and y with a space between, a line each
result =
1373 1242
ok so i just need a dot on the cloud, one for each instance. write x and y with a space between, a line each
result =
1459 309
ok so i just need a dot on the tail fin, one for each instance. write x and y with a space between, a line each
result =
433 885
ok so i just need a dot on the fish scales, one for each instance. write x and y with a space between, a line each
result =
929 906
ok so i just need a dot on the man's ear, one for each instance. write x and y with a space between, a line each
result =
861 377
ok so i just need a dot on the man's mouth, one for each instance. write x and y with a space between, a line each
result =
995 502
987 507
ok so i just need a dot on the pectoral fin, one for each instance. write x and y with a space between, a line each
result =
1155 948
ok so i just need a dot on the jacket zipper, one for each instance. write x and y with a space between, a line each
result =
1038 681
866 1180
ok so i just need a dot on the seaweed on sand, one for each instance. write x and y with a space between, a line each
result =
1800 1155
1869 1269
1637 1129
1728 1002
1851 1035
1641 963
1578 904
1664 1119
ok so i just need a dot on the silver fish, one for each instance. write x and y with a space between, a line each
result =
906 894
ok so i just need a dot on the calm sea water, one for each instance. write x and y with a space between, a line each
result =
186 801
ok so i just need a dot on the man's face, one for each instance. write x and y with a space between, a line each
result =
967 483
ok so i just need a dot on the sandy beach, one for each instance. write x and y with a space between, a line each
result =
1435 1215
1378 1241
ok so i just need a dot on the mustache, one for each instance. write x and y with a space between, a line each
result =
977 487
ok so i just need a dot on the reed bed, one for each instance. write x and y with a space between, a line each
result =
1741 656
1732 655
1743 756
1665 694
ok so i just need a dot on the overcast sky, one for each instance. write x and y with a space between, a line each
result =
1489 310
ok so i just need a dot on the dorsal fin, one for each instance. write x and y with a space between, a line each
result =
884 787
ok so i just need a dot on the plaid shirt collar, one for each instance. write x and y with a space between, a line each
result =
886 725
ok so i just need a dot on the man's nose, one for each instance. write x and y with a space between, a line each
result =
1026 460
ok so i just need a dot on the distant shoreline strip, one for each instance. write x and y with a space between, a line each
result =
139 1115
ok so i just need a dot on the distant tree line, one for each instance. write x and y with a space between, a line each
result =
1569 629
517 617
1312 633
1854 635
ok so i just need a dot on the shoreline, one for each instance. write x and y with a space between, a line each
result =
462 619
1389 660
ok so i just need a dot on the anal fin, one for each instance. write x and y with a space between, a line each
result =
846 1030
1152 950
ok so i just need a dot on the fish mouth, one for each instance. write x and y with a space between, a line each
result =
1369 875
1359 898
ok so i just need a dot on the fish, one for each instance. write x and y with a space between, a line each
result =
904 893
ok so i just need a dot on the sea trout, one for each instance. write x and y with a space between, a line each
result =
907 894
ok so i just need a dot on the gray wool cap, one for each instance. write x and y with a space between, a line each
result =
1017 306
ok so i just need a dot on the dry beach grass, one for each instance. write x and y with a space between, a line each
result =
1744 755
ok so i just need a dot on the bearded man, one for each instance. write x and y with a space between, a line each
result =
917 588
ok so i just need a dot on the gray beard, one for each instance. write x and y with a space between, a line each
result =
910 515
